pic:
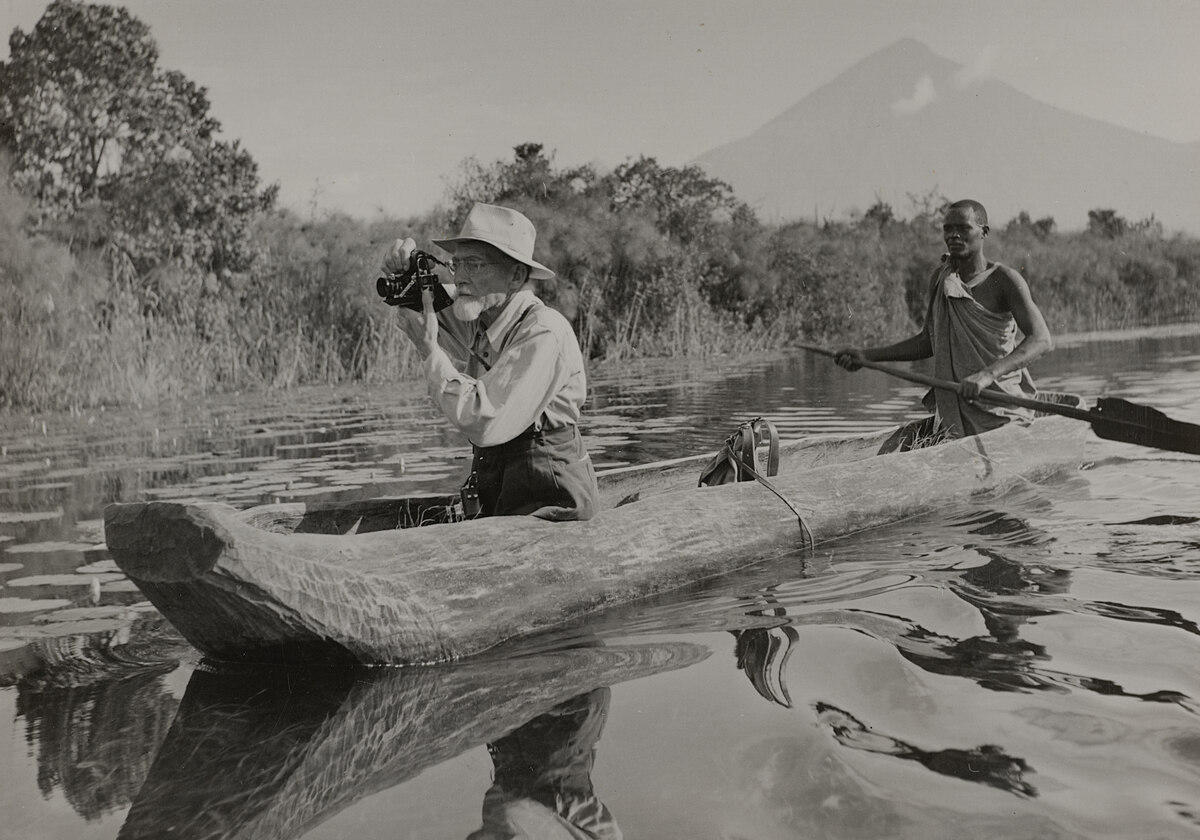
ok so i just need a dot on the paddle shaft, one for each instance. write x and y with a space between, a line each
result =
991 396
1112 419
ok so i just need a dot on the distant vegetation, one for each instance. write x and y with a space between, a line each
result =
141 259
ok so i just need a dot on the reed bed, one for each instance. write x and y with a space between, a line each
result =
79 330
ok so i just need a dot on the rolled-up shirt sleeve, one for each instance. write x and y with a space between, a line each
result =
509 398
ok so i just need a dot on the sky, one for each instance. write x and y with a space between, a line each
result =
371 106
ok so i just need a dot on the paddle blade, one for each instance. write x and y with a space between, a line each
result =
1144 426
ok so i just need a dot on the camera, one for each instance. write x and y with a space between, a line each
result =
404 289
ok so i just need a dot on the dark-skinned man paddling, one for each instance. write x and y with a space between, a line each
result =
506 370
976 307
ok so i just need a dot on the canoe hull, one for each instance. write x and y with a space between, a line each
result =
446 591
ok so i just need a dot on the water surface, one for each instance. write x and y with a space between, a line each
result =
1025 667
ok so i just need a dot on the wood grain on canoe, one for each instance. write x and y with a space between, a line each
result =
446 591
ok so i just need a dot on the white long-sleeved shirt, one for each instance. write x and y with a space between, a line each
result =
526 368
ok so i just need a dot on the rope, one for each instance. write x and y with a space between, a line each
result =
806 534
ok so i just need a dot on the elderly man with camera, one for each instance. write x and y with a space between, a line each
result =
505 369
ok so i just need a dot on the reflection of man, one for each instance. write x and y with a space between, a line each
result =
506 370
543 781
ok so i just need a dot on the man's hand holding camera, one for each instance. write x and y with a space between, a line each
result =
420 327
397 258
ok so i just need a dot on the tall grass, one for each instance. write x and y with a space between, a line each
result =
79 329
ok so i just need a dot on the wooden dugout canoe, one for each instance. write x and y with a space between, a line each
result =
299 583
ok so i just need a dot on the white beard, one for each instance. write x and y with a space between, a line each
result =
470 308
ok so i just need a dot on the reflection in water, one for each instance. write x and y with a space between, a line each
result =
808 785
1047 647
543 776
805 783
272 753
1000 661
987 764
1000 590
95 742
792 786
762 655
801 784
1008 592
1004 591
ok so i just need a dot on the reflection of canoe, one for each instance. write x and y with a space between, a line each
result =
268 754
94 740
344 583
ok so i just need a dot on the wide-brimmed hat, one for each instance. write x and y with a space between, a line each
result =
504 229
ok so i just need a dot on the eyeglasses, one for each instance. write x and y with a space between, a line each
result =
470 266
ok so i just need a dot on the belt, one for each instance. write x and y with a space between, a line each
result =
525 441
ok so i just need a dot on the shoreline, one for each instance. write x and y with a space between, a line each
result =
8 415
1128 333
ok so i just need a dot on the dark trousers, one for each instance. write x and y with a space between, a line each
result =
547 474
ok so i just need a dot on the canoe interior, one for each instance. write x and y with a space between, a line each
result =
618 486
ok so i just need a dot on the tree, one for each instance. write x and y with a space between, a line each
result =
1107 224
928 207
1045 226
529 176
99 132
1041 229
686 203
879 214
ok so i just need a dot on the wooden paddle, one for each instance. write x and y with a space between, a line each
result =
1111 419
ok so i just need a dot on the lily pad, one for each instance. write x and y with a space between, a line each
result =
63 580
58 630
30 605
47 547
100 568
21 517
86 614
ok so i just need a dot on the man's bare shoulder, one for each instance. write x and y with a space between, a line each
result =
1008 291
1009 281
1007 274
